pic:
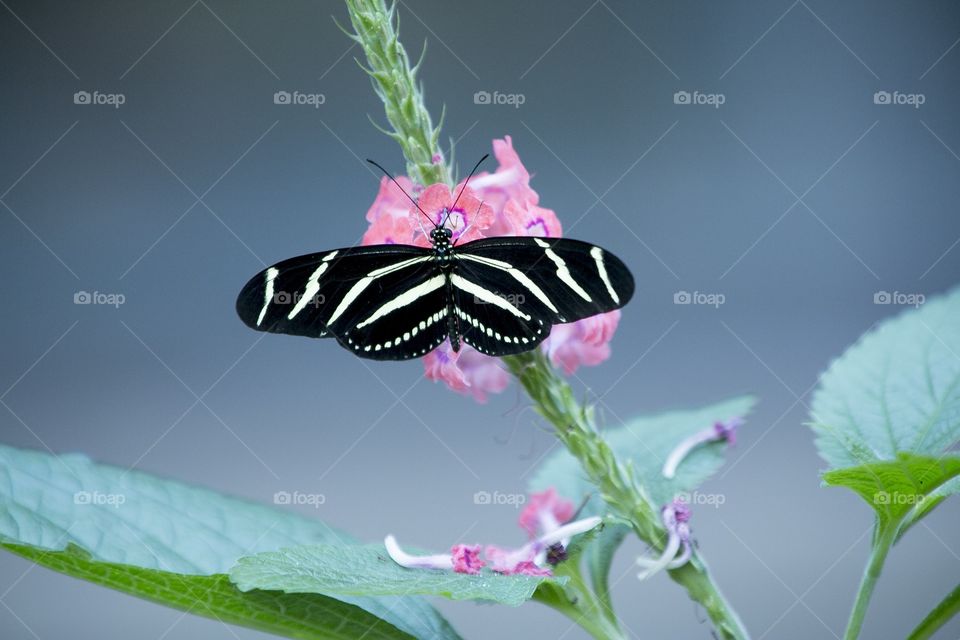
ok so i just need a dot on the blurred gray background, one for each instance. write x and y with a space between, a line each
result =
798 199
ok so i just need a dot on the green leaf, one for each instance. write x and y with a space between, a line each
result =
140 532
214 596
369 571
896 390
894 488
645 442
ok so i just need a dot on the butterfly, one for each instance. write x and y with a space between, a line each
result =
500 295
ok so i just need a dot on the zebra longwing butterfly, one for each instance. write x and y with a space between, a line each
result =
500 295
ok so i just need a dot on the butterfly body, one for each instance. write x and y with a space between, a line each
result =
499 295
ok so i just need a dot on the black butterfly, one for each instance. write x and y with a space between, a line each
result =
393 302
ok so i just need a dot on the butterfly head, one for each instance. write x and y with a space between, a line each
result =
441 236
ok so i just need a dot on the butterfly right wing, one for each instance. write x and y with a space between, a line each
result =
316 295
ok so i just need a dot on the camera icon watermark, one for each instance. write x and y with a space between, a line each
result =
98 499
897 98
697 499
883 498
899 298
714 300
298 98
314 500
99 298
699 98
511 99
114 100
498 498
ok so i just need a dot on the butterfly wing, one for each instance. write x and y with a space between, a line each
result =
510 290
311 295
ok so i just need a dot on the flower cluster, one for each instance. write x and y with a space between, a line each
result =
545 520
500 203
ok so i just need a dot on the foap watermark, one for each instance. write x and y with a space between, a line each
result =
297 498
299 98
699 98
514 299
512 99
697 499
498 498
899 298
99 499
99 297
699 298
98 98
896 97
896 498
296 298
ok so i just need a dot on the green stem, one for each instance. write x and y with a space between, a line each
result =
574 427
941 614
883 539
394 80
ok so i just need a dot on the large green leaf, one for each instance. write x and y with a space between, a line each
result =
369 571
896 390
214 596
644 442
891 402
137 532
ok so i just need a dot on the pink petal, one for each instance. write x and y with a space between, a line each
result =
468 371
546 501
466 558
585 342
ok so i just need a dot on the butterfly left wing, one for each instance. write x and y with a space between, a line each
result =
307 295
510 290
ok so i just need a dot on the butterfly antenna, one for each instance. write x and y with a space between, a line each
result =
415 203
464 232
476 166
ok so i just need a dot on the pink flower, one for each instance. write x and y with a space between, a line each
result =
390 229
391 200
545 512
527 219
529 558
468 371
468 219
511 180
585 342
510 207
547 548
466 558
676 519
